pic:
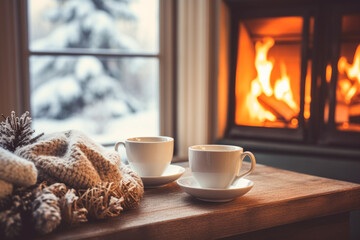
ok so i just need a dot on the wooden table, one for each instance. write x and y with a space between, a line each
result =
281 205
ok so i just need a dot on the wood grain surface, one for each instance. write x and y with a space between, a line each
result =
279 197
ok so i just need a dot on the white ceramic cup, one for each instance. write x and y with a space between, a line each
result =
148 156
218 166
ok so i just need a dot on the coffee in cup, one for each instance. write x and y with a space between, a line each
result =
218 166
148 156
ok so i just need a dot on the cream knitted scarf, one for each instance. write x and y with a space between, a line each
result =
15 170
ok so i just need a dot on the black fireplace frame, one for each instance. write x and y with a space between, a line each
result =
325 48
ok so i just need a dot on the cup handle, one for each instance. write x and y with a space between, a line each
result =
118 144
253 164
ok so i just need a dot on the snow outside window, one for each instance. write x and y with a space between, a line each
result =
94 67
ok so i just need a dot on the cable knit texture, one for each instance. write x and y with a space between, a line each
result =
72 158
16 170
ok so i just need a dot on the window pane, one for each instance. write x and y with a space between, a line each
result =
108 99
122 25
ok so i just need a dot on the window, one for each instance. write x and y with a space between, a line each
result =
95 66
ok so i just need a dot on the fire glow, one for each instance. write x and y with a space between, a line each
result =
267 103
348 92
264 92
349 86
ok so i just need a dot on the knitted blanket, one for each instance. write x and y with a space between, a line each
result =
83 179
72 158
78 180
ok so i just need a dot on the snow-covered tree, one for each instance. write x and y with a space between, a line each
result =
64 86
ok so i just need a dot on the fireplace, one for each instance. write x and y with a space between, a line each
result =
290 72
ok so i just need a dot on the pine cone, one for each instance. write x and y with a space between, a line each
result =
23 197
58 189
46 212
16 132
70 212
102 201
130 188
10 223
5 203
16 211
25 201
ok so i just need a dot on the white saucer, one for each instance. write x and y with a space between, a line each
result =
171 173
239 188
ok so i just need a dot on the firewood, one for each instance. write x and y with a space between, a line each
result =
277 107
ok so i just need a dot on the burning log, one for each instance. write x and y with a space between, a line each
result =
277 107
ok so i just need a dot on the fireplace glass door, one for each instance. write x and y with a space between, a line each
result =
268 72
295 72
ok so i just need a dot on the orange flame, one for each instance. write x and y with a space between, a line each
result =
349 87
328 73
307 99
255 109
282 89
351 70
263 65
261 84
